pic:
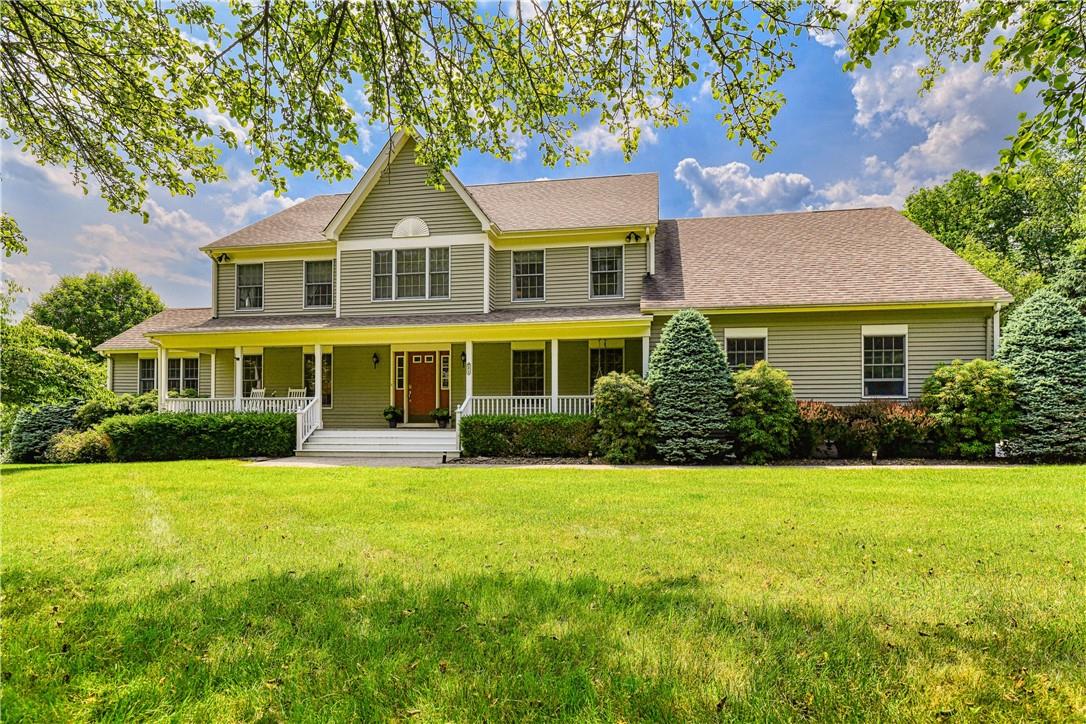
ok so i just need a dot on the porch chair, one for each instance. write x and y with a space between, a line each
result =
295 392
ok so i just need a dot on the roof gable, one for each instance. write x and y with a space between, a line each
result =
394 187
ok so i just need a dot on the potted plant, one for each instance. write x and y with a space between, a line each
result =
441 416
393 414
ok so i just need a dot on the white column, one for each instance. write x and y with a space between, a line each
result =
211 392
109 372
995 330
554 375
645 356
468 370
160 372
237 378
318 361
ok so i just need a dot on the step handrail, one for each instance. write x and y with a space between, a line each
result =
462 410
307 421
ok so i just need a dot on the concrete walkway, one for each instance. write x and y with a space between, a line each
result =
351 461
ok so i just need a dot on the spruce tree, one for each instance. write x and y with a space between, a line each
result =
1045 344
691 391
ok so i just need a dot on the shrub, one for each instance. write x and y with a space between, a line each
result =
893 429
624 416
819 425
691 391
528 436
92 412
1044 344
764 414
972 404
181 436
73 446
34 427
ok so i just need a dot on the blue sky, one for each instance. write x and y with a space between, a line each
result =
844 140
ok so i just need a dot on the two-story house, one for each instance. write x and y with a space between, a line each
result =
514 297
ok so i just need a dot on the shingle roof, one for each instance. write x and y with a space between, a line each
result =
579 203
860 256
329 321
303 222
132 339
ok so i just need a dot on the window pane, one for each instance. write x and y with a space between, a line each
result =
884 366
439 272
410 273
528 372
444 372
318 283
382 275
173 375
190 374
250 286
147 375
603 362
607 272
326 377
252 373
528 275
745 352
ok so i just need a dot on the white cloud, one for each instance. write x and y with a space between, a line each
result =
216 118
25 166
105 247
731 189
35 278
597 139
179 221
262 204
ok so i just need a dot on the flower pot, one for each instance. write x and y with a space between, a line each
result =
392 423
442 423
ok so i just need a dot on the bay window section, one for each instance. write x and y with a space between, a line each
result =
250 286
410 273
606 271
439 273
528 275
309 374
528 366
318 284
884 365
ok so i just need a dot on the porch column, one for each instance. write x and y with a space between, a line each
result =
467 370
237 378
645 356
160 373
109 372
211 392
995 330
318 364
554 376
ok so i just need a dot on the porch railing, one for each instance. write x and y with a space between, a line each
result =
525 405
307 421
205 405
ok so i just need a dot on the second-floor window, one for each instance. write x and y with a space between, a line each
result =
250 282
411 274
528 275
318 284
606 271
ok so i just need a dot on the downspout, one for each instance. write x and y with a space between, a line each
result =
995 329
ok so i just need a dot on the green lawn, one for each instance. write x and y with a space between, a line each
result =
217 590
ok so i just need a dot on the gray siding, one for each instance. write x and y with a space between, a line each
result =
402 191
360 393
224 372
566 270
205 375
465 292
284 289
125 373
822 352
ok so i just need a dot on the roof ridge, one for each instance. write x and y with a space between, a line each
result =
781 213
575 178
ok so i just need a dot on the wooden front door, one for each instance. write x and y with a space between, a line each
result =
421 385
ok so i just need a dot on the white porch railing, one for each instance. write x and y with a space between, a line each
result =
308 420
205 405
525 405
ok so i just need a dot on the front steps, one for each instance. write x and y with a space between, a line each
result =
397 442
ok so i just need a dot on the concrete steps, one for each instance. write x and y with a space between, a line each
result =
397 443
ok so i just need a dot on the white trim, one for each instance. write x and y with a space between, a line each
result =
447 356
469 201
995 330
622 271
745 332
339 266
486 277
262 287
650 263
410 226
533 344
645 356
215 289
239 352
214 356
885 330
554 375
513 277
413 242
109 372
305 283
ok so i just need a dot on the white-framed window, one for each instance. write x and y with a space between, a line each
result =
528 371
309 375
318 284
885 361
252 373
182 374
421 273
529 276
382 274
147 375
606 271
444 370
401 360
250 286
745 347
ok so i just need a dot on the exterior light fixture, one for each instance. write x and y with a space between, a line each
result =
463 358
376 360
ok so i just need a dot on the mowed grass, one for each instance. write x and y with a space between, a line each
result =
222 591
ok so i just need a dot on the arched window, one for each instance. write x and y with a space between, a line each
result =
410 226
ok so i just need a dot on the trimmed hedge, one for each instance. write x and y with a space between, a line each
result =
627 425
34 428
109 405
559 436
973 405
72 446
895 430
764 414
181 436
